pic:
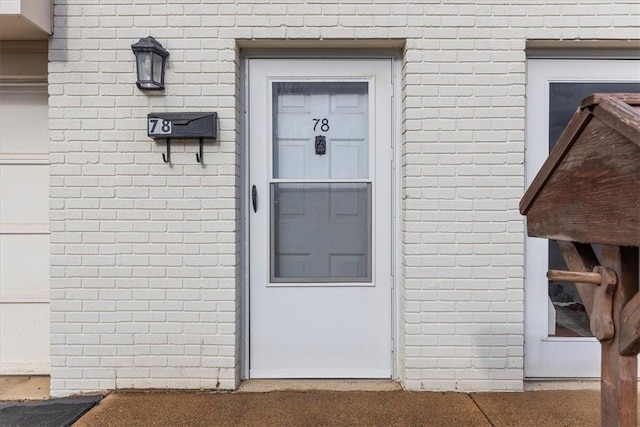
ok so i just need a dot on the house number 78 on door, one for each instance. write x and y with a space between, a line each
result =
324 125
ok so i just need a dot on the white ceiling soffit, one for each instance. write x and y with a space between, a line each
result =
25 19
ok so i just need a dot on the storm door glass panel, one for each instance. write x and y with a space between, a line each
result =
305 114
571 319
321 232
321 192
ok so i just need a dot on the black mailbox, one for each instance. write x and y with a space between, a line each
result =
184 126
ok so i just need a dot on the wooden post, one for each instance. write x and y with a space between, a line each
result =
619 374
630 328
580 257
588 192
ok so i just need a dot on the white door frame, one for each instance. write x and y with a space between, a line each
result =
548 356
245 195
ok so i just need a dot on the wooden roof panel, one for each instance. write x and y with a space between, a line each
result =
588 190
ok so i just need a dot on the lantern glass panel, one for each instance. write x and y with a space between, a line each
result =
144 66
157 69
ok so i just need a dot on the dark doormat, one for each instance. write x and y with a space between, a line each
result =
45 413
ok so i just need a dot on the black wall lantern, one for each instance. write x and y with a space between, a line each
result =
150 62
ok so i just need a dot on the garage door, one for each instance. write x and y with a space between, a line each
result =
24 231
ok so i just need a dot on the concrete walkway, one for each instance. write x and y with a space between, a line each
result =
356 404
23 387
346 408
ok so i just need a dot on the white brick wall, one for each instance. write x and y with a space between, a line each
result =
146 257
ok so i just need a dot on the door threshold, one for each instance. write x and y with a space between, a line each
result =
266 385
562 384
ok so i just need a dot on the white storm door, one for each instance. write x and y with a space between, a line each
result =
320 218
558 341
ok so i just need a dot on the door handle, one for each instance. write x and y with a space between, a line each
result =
254 198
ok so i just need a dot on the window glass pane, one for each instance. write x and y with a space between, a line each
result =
320 130
565 97
571 319
321 232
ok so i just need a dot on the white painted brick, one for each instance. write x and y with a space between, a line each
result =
158 244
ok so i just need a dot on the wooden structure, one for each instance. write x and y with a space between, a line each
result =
588 192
